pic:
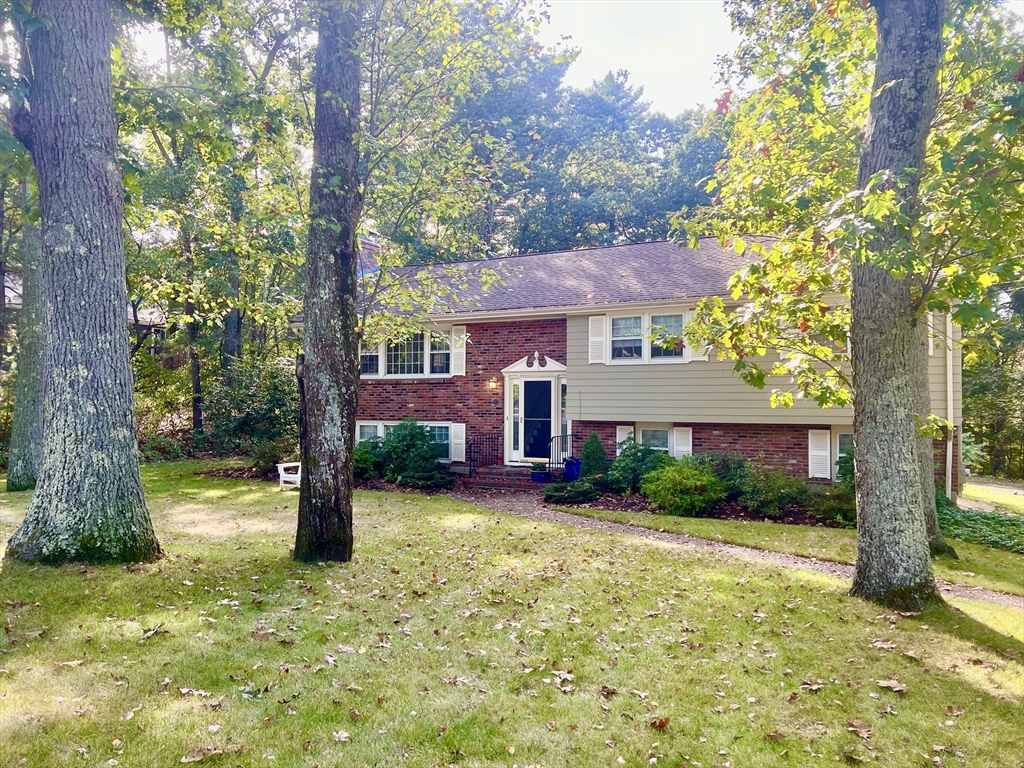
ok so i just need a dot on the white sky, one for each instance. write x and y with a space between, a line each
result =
668 46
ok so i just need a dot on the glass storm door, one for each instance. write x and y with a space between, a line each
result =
536 420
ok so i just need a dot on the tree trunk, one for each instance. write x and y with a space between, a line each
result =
88 504
231 349
329 374
26 452
893 564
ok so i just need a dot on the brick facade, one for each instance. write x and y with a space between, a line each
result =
478 400
472 399
779 445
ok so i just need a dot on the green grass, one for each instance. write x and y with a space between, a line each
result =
477 639
1005 497
978 566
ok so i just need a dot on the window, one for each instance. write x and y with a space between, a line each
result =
628 338
405 358
664 327
367 431
655 438
845 440
440 352
369 363
441 434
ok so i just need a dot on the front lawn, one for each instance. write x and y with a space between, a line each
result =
978 566
1003 494
463 636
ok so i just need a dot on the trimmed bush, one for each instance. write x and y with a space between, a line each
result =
266 455
836 505
729 467
594 457
580 492
684 488
634 462
368 459
767 489
411 458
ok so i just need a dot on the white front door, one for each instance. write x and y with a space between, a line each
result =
531 418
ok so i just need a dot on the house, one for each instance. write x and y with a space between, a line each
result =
526 370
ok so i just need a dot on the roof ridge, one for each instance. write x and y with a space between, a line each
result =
553 253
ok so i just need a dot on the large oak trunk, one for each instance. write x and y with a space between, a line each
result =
893 563
88 504
329 373
26 451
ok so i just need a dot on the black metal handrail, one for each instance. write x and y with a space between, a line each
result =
484 450
560 448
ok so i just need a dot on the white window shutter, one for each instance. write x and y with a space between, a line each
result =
682 441
621 433
457 434
819 453
459 350
597 327
691 352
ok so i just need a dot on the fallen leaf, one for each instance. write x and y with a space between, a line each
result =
341 735
201 754
774 737
859 727
660 725
894 685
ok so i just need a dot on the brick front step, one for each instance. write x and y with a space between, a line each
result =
496 484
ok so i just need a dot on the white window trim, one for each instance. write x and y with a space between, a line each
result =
639 427
380 427
456 347
836 432
690 355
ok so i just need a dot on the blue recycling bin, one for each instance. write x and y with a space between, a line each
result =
572 469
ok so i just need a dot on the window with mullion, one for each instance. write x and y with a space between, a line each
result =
667 341
440 434
369 362
405 358
441 352
628 338
655 438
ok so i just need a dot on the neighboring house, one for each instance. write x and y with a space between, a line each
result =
151 319
562 348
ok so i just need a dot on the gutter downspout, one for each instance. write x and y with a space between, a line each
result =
950 493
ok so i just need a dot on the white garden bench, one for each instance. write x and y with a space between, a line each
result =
286 478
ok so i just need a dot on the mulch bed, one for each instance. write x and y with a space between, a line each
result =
728 511
238 473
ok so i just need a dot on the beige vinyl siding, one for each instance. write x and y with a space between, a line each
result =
937 372
699 392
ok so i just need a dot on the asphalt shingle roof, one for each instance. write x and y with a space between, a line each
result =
616 274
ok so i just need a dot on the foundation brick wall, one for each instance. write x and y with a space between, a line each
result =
467 399
783 445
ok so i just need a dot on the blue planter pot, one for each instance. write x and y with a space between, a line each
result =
540 477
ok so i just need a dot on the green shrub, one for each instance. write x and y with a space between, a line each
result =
834 505
767 489
683 487
844 469
261 405
580 492
594 457
990 529
157 447
411 458
266 454
634 462
729 467
368 459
